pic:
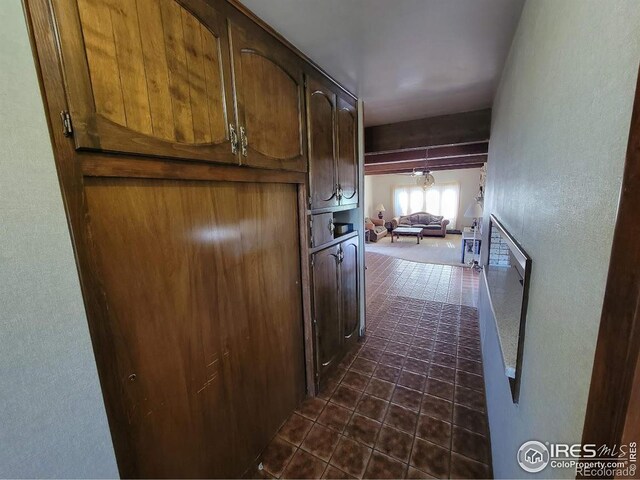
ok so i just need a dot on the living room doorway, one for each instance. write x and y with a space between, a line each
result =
425 222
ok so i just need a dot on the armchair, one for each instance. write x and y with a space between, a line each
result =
376 228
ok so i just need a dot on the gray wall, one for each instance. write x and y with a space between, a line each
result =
559 133
52 416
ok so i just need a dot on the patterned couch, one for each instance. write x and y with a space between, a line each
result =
432 225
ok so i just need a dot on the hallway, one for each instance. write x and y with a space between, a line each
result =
408 402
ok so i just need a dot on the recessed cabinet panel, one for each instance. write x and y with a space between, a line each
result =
349 290
321 229
321 105
347 158
326 309
147 76
269 96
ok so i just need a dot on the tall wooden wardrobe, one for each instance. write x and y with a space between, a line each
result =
184 132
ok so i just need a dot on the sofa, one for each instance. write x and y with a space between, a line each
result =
432 225
376 228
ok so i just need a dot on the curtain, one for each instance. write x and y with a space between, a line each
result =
441 199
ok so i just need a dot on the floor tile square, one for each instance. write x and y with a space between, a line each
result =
277 455
407 398
434 430
334 416
380 388
363 429
372 407
295 429
430 458
304 465
351 457
321 441
381 466
395 443
401 418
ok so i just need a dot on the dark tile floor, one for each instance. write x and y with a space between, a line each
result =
408 402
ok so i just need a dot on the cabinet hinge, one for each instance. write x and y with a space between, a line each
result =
67 128
313 262
310 201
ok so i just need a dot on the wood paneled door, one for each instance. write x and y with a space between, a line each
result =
326 309
269 98
335 303
347 159
205 309
147 77
349 290
321 116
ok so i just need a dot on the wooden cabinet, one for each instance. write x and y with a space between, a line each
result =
148 77
347 157
335 303
333 159
321 229
321 115
269 99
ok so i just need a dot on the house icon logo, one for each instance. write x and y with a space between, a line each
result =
533 456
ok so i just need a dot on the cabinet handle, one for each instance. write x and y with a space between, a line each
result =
338 191
244 142
332 227
233 138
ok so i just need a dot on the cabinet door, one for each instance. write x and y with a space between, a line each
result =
147 77
321 229
321 118
347 151
269 98
326 309
349 290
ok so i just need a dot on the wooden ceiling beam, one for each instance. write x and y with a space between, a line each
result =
401 170
458 128
471 161
432 153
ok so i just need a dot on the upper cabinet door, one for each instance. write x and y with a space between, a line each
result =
269 97
321 116
349 289
347 151
147 77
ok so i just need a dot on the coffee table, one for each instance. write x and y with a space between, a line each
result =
407 231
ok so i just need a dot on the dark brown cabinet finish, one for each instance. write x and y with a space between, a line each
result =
208 357
269 98
347 159
321 114
147 77
182 158
349 289
321 229
335 303
326 308
333 159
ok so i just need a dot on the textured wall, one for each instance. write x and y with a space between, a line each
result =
559 133
380 190
52 417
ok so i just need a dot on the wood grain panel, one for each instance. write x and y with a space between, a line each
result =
347 159
209 351
321 229
148 76
156 69
197 83
214 85
349 290
101 55
322 163
272 108
326 309
133 81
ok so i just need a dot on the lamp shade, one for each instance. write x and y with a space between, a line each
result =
474 210
380 208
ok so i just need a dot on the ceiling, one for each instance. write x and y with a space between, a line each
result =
406 59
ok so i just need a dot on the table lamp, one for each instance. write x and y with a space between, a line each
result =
380 209
474 210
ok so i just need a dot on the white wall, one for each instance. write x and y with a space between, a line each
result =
559 133
379 189
52 416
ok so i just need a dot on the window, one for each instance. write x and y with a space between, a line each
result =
441 199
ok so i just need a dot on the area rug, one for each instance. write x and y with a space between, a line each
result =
445 251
